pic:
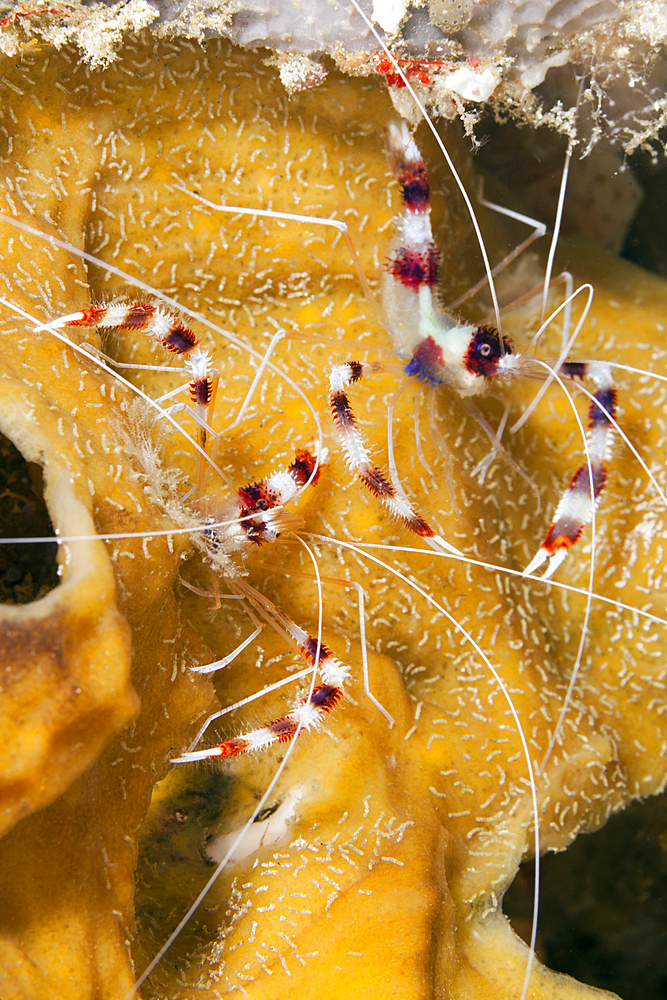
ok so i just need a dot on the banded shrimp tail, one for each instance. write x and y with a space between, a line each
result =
444 778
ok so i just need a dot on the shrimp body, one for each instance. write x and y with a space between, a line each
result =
465 358
439 350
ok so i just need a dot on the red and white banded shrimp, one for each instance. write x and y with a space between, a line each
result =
438 767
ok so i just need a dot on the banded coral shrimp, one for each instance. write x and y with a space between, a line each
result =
412 850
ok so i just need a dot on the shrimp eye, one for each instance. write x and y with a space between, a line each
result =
485 351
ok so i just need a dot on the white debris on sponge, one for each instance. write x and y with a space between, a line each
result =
98 31
389 14
472 84
298 72
100 38
534 74
262 833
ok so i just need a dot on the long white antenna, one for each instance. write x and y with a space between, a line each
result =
448 160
